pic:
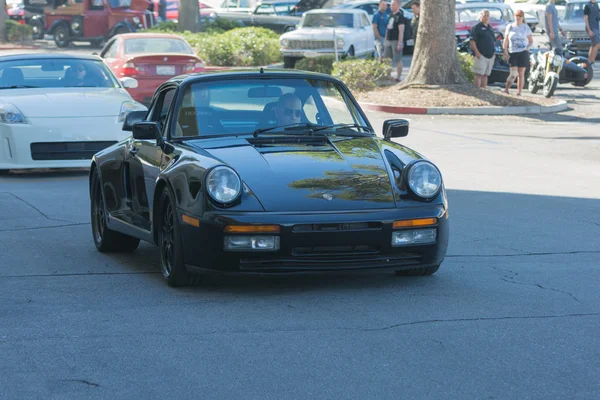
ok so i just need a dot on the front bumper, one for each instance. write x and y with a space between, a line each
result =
57 142
301 53
315 242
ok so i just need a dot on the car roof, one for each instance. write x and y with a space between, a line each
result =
48 56
149 35
482 4
245 73
336 11
577 1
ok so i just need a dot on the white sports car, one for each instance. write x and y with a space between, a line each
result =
57 110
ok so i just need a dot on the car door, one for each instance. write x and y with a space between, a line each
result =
264 16
145 162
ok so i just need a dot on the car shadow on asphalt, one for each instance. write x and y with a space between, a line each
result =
485 228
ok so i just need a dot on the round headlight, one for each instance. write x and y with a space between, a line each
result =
340 42
223 184
285 42
424 179
557 61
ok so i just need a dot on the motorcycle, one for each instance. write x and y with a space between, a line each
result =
549 69
545 71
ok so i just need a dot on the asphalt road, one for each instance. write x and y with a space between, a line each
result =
513 313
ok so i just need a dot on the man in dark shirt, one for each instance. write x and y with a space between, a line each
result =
483 44
591 16
394 39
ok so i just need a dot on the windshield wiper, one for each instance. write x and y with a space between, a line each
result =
19 87
286 127
339 126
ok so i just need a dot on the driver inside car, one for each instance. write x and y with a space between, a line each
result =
288 110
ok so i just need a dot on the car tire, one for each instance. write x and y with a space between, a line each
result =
105 239
289 62
418 271
62 36
351 51
170 243
120 30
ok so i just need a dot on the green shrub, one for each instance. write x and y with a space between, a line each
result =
322 64
16 32
240 47
361 74
166 26
466 63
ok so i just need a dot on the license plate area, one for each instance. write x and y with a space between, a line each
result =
165 70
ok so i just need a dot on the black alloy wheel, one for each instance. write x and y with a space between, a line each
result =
105 239
170 243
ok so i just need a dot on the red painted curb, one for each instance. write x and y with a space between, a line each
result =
394 109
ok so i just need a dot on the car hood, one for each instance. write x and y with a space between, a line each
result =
316 33
573 25
66 102
316 174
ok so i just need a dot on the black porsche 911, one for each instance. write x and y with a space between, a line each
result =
267 172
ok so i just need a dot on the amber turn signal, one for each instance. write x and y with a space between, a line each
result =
409 223
252 229
190 221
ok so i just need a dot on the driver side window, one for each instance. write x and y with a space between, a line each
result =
161 110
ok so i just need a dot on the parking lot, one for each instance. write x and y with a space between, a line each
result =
512 313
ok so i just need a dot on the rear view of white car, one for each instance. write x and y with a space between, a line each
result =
57 110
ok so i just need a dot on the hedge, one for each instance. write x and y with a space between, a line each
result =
466 63
18 33
322 64
362 74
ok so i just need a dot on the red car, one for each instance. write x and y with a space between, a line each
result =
467 16
151 58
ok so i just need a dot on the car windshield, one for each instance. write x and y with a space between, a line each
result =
332 20
472 14
156 45
290 106
56 73
119 3
575 11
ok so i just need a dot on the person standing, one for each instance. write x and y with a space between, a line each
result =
414 22
518 39
394 40
591 16
162 10
553 27
380 21
483 44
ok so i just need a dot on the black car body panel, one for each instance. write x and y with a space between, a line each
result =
335 197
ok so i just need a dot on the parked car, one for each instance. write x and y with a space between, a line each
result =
150 58
222 181
574 26
58 110
467 16
372 6
91 21
537 8
329 32
279 16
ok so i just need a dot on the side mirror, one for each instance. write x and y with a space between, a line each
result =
393 128
129 83
132 118
146 130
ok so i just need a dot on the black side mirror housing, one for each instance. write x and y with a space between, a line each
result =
394 128
132 118
146 130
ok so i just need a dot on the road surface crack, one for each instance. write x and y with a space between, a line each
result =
44 227
557 253
37 209
89 383
509 280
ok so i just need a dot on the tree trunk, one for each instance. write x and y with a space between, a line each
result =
3 21
189 16
435 59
